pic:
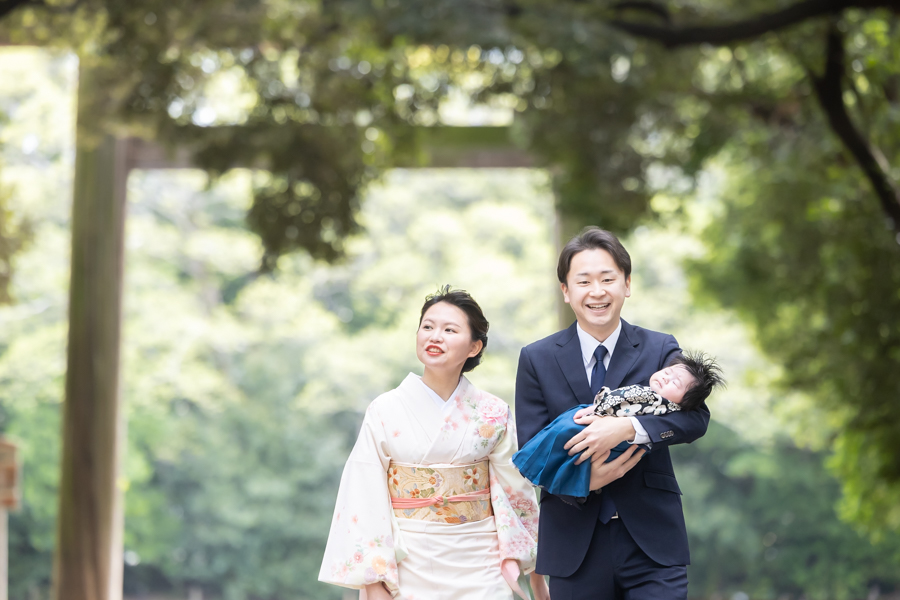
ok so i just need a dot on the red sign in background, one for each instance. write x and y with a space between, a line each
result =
9 475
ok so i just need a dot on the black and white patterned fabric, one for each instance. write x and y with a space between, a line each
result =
631 401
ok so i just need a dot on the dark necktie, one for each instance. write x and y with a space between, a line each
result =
598 374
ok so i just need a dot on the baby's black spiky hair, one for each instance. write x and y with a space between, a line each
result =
707 376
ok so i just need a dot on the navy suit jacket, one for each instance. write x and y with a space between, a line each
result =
550 380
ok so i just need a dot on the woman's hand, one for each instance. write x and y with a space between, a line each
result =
377 591
539 587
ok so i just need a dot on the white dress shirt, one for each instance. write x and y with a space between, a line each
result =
588 345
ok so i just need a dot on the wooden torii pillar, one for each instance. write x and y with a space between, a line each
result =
88 556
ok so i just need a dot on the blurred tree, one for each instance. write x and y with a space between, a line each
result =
761 521
800 246
317 81
329 90
240 411
240 414
794 251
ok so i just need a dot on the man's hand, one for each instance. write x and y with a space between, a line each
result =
604 473
600 435
587 411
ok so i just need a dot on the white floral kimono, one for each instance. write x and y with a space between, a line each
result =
436 552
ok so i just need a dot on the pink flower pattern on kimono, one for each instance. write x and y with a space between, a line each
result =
372 561
516 516
494 413
449 425
516 530
516 545
487 416
477 428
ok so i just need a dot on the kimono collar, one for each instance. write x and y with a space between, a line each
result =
442 404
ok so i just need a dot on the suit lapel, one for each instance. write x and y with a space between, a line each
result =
572 364
626 353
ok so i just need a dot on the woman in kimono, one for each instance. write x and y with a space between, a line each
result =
430 506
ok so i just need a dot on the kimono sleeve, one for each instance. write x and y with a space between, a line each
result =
360 548
514 502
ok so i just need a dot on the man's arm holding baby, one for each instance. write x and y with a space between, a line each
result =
605 433
601 434
599 437
681 427
603 473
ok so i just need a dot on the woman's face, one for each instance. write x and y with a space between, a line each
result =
444 340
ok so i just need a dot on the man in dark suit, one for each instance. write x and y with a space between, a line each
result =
628 540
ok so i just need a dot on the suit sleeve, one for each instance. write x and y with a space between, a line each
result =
681 427
532 414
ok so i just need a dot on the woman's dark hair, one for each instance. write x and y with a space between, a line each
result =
707 375
593 238
478 325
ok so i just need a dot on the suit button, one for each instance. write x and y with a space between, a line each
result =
666 434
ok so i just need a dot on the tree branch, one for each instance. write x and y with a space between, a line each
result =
742 30
660 10
830 93
8 6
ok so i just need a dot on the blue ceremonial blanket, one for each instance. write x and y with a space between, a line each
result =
546 463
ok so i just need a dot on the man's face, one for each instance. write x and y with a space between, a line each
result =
596 289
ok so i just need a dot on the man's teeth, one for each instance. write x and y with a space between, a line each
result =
597 306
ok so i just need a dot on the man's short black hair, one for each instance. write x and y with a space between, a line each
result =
707 376
593 238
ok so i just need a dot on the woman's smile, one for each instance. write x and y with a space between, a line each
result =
444 339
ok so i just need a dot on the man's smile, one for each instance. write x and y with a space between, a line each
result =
598 306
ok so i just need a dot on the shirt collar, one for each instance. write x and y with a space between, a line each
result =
589 343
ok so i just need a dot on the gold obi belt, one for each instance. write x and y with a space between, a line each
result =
440 493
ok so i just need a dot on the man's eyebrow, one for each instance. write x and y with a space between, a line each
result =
585 274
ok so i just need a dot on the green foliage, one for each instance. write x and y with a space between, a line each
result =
243 400
761 521
761 511
793 250
37 162
242 413
796 243
325 95
327 92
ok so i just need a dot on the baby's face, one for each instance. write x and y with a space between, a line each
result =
672 382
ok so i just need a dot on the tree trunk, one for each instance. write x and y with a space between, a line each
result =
564 230
88 559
